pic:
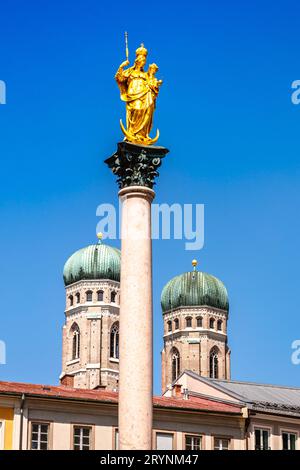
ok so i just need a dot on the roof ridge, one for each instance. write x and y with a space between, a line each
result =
242 382
222 382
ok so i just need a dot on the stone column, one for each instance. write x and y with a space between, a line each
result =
135 368
136 169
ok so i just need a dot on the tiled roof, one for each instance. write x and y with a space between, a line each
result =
103 396
256 392
267 396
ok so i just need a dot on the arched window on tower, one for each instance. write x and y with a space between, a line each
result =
89 296
113 296
176 324
199 322
100 295
188 322
114 341
71 300
175 357
214 363
169 326
77 298
211 323
75 331
219 325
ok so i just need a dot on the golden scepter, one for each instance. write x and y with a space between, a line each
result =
126 45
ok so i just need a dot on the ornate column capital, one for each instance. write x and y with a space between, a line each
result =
136 165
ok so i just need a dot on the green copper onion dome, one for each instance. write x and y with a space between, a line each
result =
98 261
193 289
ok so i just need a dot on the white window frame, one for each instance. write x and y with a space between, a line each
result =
222 438
289 431
193 436
165 434
39 424
82 427
258 428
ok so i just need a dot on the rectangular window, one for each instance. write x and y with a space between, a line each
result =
289 441
116 439
39 436
82 438
261 439
164 441
100 296
193 442
1 435
221 443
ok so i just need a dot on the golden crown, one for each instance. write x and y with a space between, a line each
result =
141 51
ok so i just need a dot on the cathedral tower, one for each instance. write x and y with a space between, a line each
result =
195 313
90 356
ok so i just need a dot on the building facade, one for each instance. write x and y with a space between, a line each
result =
64 418
200 407
195 414
195 313
90 345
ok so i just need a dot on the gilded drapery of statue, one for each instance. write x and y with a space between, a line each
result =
139 89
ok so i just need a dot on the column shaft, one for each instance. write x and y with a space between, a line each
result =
135 367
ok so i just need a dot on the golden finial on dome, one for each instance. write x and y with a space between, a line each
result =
99 236
194 264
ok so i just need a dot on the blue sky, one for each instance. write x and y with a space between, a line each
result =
225 113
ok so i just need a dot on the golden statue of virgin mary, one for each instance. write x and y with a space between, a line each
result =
139 89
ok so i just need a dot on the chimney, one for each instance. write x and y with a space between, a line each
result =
67 380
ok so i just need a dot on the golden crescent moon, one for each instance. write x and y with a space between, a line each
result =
124 131
131 138
155 138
